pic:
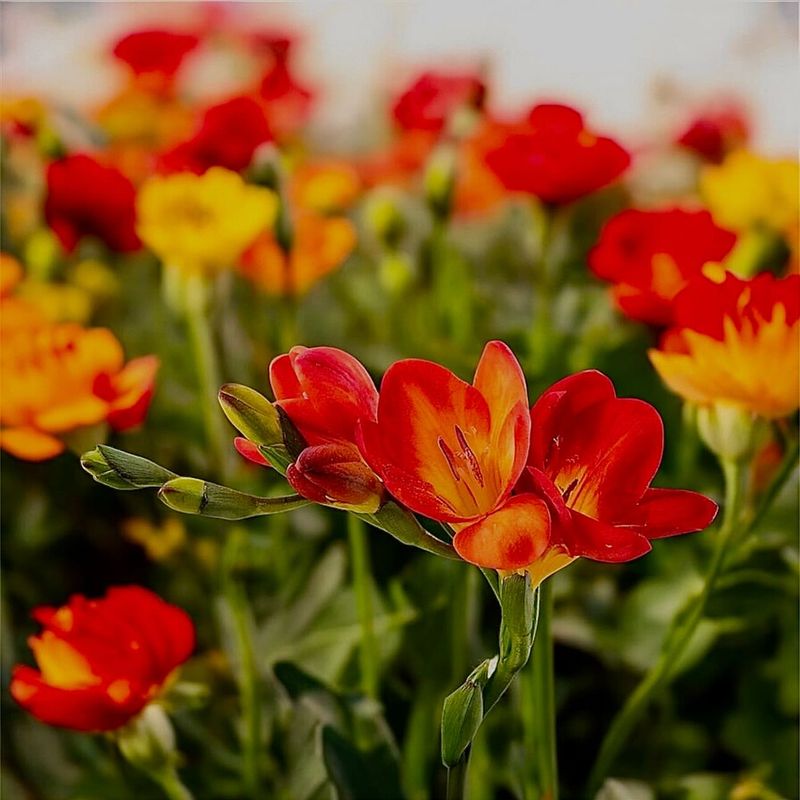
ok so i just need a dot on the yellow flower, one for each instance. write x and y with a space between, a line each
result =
748 191
158 541
202 223
736 345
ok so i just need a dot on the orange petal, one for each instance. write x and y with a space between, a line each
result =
511 538
30 444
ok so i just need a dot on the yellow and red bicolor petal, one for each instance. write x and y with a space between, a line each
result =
433 439
669 512
324 391
335 474
511 538
500 380
601 541
133 389
30 444
250 451
93 708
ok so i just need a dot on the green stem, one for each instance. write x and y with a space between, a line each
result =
538 713
247 674
457 778
675 645
362 585
169 781
540 335
204 353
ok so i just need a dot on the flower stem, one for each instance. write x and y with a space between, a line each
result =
247 673
205 360
457 778
538 711
172 786
362 586
677 640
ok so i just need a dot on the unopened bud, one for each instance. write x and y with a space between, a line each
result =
121 470
440 180
462 715
195 496
251 414
385 219
731 433
148 741
336 475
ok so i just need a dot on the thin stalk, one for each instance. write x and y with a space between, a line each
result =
206 364
457 778
362 586
539 708
541 331
247 677
169 781
660 673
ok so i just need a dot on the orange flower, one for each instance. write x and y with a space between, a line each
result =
454 452
325 186
102 661
58 377
320 246
736 344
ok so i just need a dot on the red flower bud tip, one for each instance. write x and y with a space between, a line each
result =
335 474
324 391
101 661
250 451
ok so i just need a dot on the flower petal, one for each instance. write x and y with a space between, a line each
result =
668 512
30 444
603 542
511 538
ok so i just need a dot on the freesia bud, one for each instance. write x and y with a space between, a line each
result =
121 470
731 433
440 179
251 414
462 715
148 740
195 496
336 475
385 219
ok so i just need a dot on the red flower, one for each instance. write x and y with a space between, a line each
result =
87 198
155 52
429 102
650 256
454 451
288 102
228 136
101 661
712 135
592 458
324 392
554 157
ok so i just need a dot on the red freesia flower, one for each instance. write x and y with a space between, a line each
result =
429 102
650 256
553 156
101 661
454 451
592 458
87 198
228 136
155 52
712 135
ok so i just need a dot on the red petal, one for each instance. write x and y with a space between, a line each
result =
511 538
250 451
603 542
668 512
90 709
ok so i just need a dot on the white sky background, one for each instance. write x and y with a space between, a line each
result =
633 66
